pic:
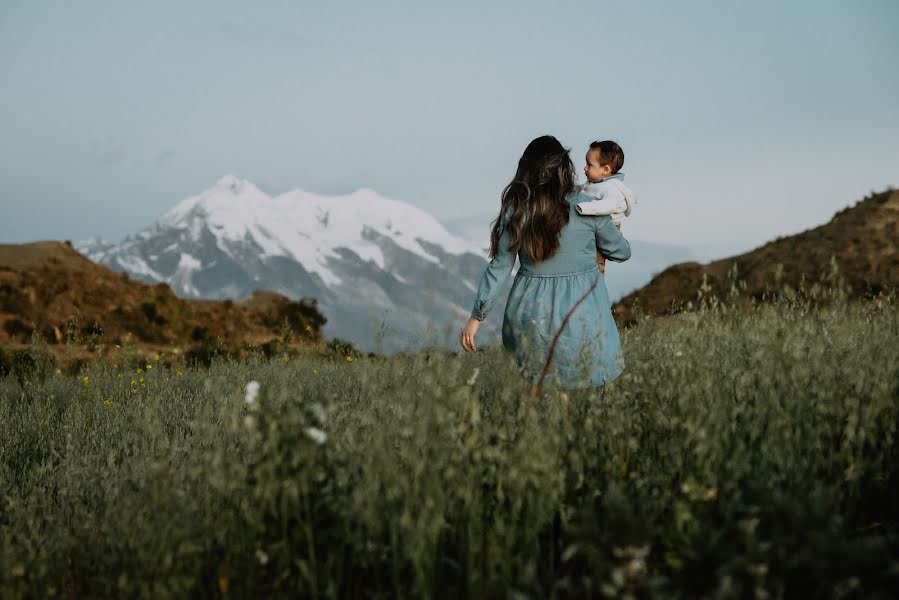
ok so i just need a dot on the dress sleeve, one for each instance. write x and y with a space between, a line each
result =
494 278
610 242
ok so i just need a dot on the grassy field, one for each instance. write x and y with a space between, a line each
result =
742 454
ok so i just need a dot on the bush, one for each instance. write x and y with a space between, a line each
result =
16 327
12 300
152 313
340 349
5 363
301 316
26 364
93 330
204 353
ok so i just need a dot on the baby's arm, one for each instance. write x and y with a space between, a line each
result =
608 201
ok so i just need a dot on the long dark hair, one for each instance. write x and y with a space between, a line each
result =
535 201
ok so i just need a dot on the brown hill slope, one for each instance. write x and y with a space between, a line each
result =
862 240
50 287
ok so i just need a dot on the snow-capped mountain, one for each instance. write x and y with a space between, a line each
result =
387 275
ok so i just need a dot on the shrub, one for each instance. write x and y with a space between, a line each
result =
338 348
5 363
199 333
204 353
16 327
12 300
152 313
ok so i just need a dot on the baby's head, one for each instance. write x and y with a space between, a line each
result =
604 159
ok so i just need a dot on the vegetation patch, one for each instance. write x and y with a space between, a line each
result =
743 453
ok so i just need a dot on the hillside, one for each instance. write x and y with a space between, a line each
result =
862 240
50 287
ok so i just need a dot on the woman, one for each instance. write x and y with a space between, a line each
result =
557 247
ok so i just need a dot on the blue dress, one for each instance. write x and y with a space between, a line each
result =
588 352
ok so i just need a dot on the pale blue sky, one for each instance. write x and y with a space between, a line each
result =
740 121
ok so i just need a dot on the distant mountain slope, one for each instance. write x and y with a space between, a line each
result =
380 269
51 287
862 240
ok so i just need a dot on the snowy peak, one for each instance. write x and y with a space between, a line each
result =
343 218
305 227
231 182
95 245
244 223
230 194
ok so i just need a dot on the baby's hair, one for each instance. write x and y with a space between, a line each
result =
610 154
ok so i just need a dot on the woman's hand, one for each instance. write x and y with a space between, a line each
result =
468 334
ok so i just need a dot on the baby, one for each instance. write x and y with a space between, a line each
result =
606 184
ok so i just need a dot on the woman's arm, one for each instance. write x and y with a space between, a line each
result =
492 283
609 240
494 277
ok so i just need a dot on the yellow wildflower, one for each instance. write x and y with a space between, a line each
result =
117 347
315 371
86 380
139 371
141 379
149 366
107 402
156 357
349 358
308 327
179 373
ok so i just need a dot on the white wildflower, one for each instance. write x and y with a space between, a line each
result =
316 434
318 411
261 556
678 354
251 391
474 376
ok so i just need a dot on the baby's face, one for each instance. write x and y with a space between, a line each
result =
594 170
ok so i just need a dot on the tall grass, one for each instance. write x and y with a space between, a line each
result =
740 454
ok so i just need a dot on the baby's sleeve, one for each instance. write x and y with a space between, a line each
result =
607 201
